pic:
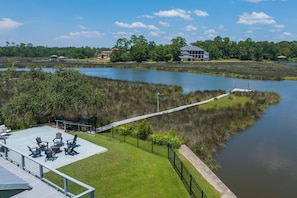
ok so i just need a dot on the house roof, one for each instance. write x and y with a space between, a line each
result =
10 181
191 48
281 57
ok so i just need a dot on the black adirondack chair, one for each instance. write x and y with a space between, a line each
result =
70 151
72 142
35 152
58 140
43 145
50 155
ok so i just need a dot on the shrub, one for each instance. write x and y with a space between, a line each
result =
142 129
166 138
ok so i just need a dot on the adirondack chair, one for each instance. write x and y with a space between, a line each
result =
72 142
58 140
50 155
43 145
35 152
70 151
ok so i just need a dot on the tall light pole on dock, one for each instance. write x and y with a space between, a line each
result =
158 103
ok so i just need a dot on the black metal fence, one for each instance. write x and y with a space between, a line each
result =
146 145
168 152
190 183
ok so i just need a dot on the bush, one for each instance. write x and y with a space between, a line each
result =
142 130
166 138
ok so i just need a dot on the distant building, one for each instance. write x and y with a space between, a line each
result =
106 54
193 53
281 58
53 57
56 58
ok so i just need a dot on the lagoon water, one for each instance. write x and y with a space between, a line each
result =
261 160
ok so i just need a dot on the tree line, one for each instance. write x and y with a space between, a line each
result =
29 50
139 49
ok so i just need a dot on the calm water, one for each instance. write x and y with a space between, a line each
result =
260 161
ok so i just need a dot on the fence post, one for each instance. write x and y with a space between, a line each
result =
191 184
168 151
181 171
174 165
152 146
65 186
23 162
40 171
6 152
92 194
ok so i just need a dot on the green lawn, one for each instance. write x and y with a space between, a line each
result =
226 102
207 188
125 171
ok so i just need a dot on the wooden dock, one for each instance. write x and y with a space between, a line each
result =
129 120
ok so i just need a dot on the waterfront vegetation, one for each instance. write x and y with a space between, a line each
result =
204 129
264 70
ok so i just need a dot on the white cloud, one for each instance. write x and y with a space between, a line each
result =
163 23
81 34
7 24
191 28
154 34
201 13
82 27
147 16
136 25
279 26
255 18
122 33
174 13
211 33
287 34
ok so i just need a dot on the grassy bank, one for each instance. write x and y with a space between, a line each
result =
125 171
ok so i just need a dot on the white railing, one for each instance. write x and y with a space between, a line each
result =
37 169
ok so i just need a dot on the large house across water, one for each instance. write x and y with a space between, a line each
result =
193 53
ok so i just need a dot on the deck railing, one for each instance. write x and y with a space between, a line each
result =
37 169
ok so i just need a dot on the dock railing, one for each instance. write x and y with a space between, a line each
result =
39 170
70 124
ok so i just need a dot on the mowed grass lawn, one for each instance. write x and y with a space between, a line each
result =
125 171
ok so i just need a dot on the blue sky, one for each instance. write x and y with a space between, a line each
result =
98 23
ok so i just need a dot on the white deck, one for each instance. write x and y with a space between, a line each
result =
21 139
39 188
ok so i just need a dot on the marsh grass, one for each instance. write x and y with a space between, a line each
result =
206 128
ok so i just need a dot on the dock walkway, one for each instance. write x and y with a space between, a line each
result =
134 119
